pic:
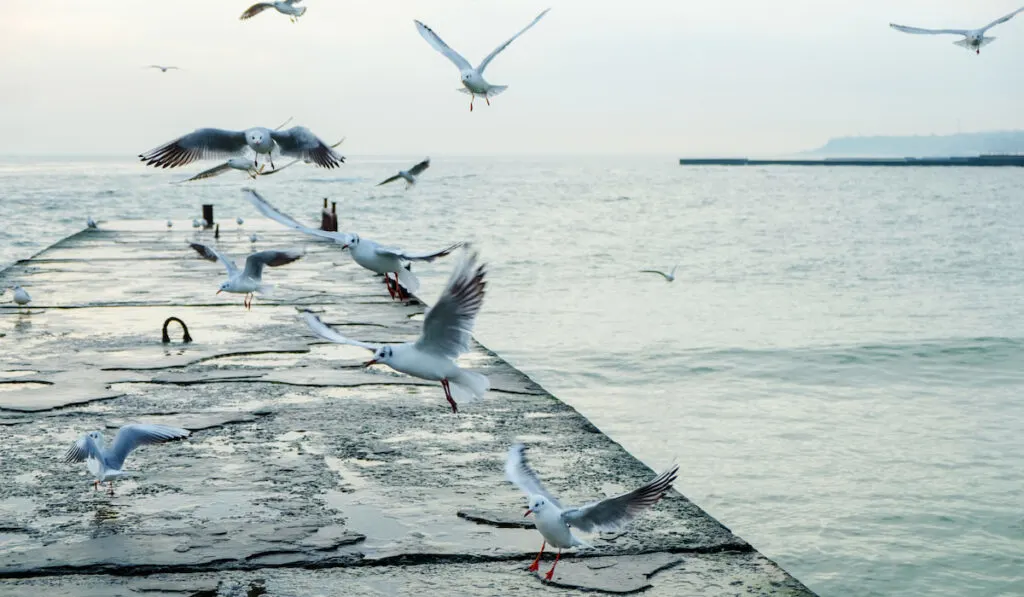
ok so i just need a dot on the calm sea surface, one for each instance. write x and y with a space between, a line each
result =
839 365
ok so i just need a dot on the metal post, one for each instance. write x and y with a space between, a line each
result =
208 214
325 217
334 216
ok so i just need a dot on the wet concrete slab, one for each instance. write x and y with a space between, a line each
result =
305 473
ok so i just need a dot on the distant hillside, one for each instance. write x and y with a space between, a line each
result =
962 144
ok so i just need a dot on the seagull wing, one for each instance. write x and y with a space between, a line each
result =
130 437
520 474
654 271
438 44
448 325
613 513
255 9
82 449
215 171
1001 20
197 145
391 179
327 333
500 48
920 31
273 213
420 167
428 257
210 254
300 142
254 263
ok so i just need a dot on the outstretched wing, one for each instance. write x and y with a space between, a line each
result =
613 513
280 217
210 254
499 49
420 167
197 145
300 142
920 31
327 333
438 44
254 263
519 473
448 325
215 171
654 271
82 449
255 9
428 257
387 180
1002 19
130 437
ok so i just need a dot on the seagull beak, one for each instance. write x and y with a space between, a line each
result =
370 362
528 512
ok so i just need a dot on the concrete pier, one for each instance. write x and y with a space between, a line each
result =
305 474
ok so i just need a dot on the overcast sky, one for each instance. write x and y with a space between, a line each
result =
594 76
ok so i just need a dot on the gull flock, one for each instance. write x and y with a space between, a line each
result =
448 324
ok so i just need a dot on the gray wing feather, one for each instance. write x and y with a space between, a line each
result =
500 48
280 217
448 325
216 170
519 473
613 513
1002 19
327 333
254 263
387 180
428 257
197 145
82 449
210 254
300 142
921 31
420 167
654 271
438 44
254 10
131 436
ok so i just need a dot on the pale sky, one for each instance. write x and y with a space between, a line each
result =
594 76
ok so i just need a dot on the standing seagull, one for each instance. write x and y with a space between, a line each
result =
669 277
285 7
90 223
554 522
298 142
365 252
249 280
21 296
105 463
163 69
973 39
409 175
447 328
472 78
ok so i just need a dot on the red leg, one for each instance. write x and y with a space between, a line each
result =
552 571
471 98
488 100
95 485
387 282
448 395
536 561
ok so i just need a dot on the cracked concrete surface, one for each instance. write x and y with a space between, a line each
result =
305 474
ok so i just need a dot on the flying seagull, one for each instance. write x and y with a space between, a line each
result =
365 252
409 175
669 277
105 462
293 162
286 7
555 522
447 329
973 39
249 280
298 142
246 165
472 78
163 69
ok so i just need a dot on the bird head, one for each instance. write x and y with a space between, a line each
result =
254 137
382 355
537 504
352 241
225 287
96 436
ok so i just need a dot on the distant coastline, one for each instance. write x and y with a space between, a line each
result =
923 146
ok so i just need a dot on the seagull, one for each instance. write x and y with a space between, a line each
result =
297 141
105 463
410 174
553 521
286 7
253 238
163 69
472 78
249 280
293 162
21 296
239 220
365 252
90 223
447 328
246 165
973 39
170 224
669 277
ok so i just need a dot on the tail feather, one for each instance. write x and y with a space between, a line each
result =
469 386
491 92
408 280
266 289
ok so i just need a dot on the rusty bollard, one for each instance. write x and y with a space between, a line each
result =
186 338
216 232
334 216
325 217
